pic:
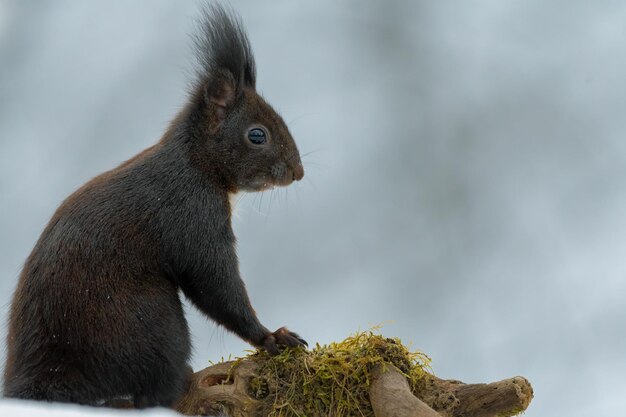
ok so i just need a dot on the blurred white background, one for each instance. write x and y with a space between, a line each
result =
465 170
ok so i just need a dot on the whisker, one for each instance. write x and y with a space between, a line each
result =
272 198
269 208
311 152
298 195
308 181
310 164
300 116
261 203
256 197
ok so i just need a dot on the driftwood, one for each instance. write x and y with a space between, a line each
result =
212 392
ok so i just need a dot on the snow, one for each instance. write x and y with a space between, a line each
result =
21 408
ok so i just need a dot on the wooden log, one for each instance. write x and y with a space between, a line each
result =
503 398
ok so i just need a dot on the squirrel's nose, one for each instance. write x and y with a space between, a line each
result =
298 171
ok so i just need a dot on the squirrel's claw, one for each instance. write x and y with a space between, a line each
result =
282 337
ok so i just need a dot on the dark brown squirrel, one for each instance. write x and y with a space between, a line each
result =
96 314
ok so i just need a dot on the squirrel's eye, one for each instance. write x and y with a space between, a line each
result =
257 136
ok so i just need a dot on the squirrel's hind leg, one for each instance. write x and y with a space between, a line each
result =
167 391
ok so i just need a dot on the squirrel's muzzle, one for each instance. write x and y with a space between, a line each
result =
283 174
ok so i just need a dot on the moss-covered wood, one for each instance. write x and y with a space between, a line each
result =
366 375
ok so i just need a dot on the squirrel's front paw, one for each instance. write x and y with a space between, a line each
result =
282 337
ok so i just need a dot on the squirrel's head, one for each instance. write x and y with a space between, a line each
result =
246 141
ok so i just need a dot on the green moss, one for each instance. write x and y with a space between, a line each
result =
330 380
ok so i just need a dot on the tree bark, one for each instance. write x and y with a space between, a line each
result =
213 391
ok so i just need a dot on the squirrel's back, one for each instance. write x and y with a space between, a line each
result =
99 255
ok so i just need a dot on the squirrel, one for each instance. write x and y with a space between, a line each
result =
96 314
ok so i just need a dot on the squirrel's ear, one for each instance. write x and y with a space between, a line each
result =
219 94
